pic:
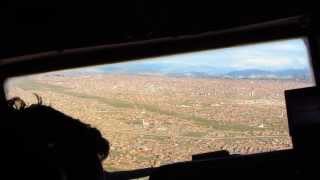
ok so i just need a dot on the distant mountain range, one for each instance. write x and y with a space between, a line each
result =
205 72
163 69
192 71
302 74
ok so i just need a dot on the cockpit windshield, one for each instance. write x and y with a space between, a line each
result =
162 110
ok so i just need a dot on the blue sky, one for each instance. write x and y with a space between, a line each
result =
278 55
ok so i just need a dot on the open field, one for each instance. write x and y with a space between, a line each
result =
155 120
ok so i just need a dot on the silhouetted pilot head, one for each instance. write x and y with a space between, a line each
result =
58 146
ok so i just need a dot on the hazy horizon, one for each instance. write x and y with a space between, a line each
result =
271 56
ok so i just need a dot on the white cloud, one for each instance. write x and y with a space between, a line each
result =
261 62
269 56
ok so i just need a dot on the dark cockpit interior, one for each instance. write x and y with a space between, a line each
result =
46 36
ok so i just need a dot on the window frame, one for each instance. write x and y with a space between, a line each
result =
288 28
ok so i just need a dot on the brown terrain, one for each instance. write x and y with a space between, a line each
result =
156 120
